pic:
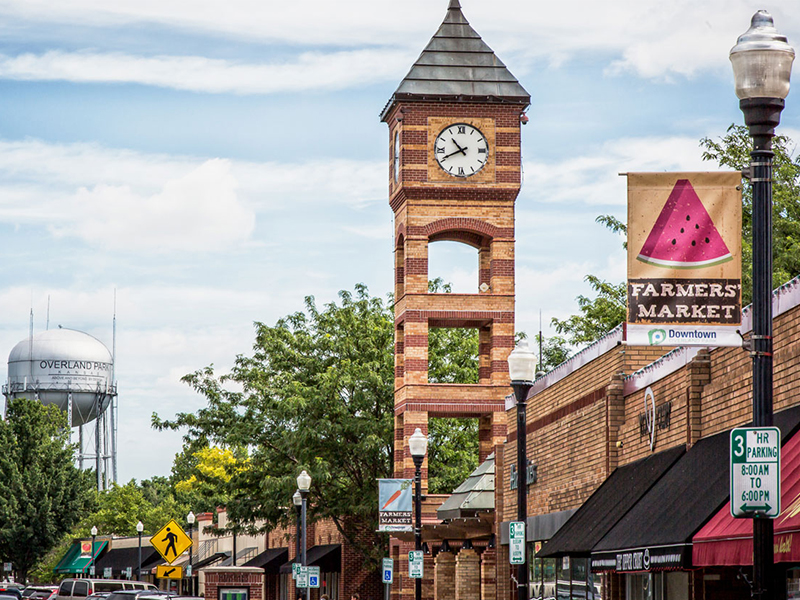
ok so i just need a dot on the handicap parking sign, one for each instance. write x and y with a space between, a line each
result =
388 570
313 577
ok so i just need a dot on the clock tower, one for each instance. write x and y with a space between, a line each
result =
455 173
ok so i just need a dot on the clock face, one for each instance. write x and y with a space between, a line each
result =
461 149
396 157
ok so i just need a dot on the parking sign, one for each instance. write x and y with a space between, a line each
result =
415 564
313 577
516 543
388 570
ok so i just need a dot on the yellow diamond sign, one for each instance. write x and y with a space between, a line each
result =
171 541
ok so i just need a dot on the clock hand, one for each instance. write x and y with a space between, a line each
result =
460 149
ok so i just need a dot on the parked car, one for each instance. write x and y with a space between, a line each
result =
80 589
39 592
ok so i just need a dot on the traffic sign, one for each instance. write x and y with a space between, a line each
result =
313 577
171 541
169 572
302 577
7 567
516 543
756 472
128 572
107 573
388 570
188 570
415 564
91 570
295 569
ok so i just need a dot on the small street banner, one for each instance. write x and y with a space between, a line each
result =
395 501
171 541
86 549
169 572
756 472
684 259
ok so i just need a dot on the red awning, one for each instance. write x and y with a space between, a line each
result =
728 541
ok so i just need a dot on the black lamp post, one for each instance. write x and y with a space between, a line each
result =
522 370
418 446
303 486
91 558
139 530
190 518
762 66
297 499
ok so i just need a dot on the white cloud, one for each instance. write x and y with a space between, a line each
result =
653 40
594 178
197 212
154 203
308 71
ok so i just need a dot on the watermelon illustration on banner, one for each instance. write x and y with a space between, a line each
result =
684 259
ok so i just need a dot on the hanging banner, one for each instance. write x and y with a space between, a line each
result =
684 259
395 502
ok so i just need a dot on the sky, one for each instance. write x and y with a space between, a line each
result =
212 163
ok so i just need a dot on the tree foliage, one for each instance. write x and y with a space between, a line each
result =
316 394
733 151
598 315
43 494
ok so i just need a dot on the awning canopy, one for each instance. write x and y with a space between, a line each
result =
270 560
728 541
119 559
327 557
210 560
608 504
474 496
656 533
73 563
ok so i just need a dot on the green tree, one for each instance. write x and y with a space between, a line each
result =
316 394
733 151
43 493
598 315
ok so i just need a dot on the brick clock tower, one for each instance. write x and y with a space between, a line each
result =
455 173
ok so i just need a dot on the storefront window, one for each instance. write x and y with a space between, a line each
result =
563 583
793 584
673 585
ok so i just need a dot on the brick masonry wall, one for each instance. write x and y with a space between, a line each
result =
445 576
251 578
468 575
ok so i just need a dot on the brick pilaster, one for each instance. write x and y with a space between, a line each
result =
444 587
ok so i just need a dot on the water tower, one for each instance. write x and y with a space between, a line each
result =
74 371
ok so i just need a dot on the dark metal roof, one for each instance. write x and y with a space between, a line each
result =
609 503
270 560
473 496
121 558
327 557
458 64
688 495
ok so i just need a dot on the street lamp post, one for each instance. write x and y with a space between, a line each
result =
91 558
762 66
190 518
297 500
139 530
522 370
418 446
303 486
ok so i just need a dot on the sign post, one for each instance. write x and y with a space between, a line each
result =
755 472
516 543
415 564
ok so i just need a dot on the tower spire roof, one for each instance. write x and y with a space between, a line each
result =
458 65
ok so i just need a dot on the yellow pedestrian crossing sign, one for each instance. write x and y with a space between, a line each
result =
169 572
171 541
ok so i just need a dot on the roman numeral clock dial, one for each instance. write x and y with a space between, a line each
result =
461 150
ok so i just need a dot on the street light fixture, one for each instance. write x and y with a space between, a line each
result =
139 530
190 518
418 446
522 370
91 557
303 487
297 500
762 66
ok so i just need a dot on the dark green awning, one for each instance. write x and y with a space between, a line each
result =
73 563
